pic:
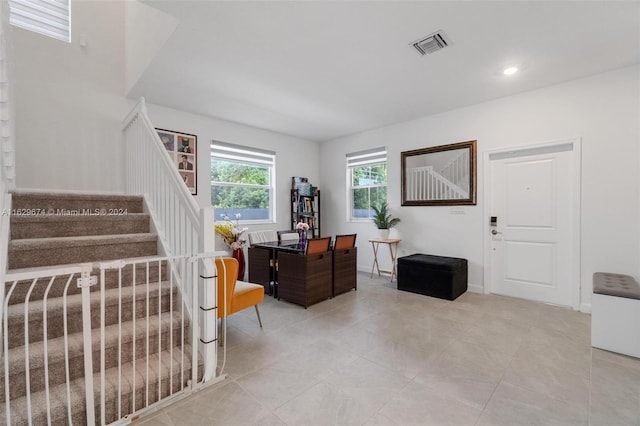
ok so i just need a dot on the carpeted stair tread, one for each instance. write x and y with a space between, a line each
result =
95 271
75 341
74 301
57 231
78 241
165 360
16 313
157 272
68 250
51 226
45 201
163 331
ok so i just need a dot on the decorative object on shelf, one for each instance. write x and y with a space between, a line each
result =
302 231
383 220
232 234
302 185
439 175
181 148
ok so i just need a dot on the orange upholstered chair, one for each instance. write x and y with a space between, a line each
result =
240 294
345 241
318 245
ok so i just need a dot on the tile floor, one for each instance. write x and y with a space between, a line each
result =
380 356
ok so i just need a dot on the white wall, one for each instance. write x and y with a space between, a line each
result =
69 103
294 156
147 30
603 110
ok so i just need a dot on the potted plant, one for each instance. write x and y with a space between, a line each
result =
383 220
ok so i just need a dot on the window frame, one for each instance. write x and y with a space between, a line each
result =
51 18
360 159
248 156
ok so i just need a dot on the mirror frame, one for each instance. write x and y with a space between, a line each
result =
471 200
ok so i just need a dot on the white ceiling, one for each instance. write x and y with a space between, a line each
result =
320 70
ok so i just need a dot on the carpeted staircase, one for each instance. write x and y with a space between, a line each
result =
60 229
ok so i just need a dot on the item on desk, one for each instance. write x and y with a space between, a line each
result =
302 231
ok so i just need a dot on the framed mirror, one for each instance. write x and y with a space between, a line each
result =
440 175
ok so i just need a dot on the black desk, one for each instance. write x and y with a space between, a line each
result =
287 246
263 259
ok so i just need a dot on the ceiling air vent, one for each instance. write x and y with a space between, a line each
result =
431 43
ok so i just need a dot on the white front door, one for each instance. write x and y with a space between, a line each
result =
532 205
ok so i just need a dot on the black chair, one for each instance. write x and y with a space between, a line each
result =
288 236
261 260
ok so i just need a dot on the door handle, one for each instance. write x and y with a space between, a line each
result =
493 223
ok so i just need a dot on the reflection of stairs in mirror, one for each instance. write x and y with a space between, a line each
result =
449 182
456 171
424 183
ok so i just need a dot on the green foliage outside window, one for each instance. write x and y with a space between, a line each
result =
239 185
369 188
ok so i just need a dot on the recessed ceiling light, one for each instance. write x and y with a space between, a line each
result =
510 71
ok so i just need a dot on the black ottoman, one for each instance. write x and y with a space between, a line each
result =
437 276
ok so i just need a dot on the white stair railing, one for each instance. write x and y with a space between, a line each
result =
184 228
457 170
7 151
5 207
150 172
131 314
169 365
45 349
423 183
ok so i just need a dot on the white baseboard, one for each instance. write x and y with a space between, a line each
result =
361 268
474 288
585 308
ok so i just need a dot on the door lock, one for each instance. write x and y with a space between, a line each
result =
493 223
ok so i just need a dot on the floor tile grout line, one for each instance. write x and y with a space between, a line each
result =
504 372
374 296
398 392
273 411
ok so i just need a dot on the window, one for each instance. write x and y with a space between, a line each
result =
49 17
242 181
367 174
